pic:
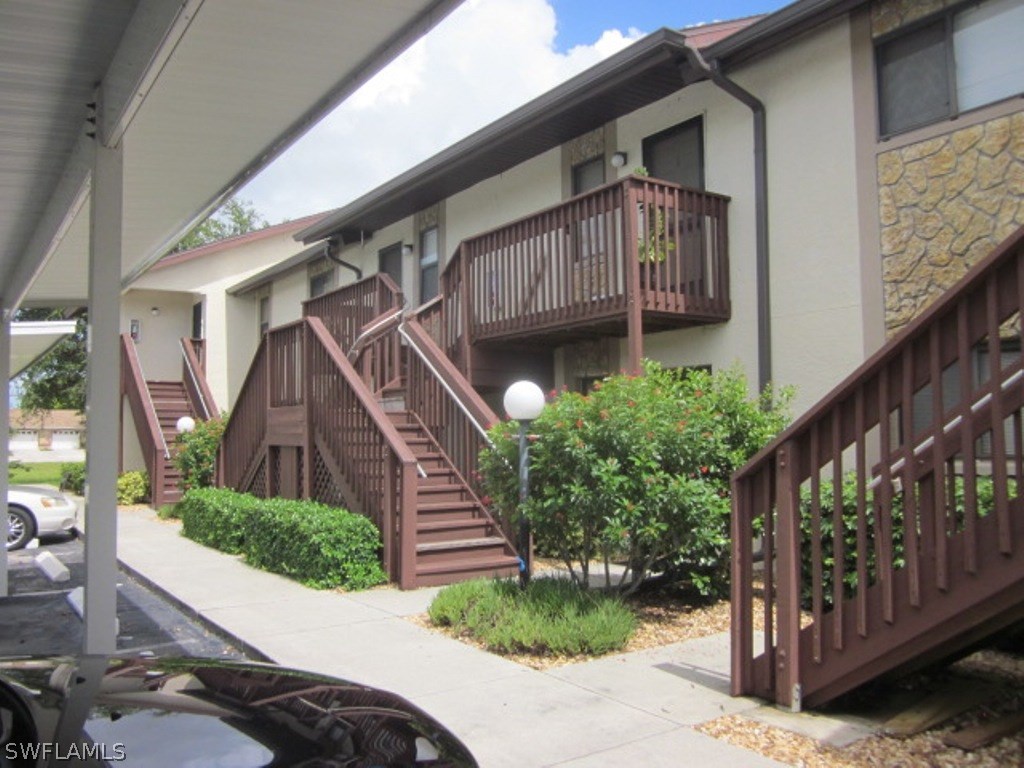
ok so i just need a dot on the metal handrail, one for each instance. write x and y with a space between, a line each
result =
458 401
375 329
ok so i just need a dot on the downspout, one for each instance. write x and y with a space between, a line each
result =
331 247
764 317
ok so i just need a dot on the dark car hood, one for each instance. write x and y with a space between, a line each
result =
197 712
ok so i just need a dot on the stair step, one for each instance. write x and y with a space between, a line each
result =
437 492
452 530
428 507
435 574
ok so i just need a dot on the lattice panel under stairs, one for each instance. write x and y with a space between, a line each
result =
324 489
258 487
274 478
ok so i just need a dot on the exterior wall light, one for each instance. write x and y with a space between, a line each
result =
619 159
185 424
523 402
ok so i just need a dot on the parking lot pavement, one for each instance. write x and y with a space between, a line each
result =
37 619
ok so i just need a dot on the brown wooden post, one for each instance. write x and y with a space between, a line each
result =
741 603
634 309
787 656
407 505
464 300
306 481
389 513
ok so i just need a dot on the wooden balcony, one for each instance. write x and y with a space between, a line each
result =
630 257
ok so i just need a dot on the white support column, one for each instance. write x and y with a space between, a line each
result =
5 435
102 403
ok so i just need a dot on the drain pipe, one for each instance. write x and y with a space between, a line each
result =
331 248
764 318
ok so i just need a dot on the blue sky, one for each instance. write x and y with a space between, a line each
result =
581 22
481 62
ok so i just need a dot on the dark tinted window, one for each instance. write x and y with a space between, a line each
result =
913 79
677 154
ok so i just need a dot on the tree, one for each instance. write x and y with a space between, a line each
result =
56 380
235 217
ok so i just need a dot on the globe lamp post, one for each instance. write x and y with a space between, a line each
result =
523 402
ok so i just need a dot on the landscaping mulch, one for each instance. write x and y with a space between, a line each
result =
665 617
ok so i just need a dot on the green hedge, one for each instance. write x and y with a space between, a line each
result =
216 517
132 487
320 546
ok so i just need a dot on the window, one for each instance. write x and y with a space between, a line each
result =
677 154
429 247
587 175
197 320
321 277
961 59
389 261
264 314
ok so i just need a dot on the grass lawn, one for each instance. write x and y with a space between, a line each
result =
47 473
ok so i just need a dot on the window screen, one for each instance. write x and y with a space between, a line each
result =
914 79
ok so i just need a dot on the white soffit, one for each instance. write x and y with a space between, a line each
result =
31 340
242 80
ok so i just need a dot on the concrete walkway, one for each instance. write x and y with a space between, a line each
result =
630 709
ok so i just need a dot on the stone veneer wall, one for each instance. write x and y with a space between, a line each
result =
945 202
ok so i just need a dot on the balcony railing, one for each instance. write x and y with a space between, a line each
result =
637 243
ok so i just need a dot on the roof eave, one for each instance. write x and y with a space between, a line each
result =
659 45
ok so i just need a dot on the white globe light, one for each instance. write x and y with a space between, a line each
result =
185 424
524 401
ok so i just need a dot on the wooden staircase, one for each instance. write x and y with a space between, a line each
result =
455 537
171 402
335 408
927 560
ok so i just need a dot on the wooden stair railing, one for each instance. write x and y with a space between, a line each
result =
377 354
193 374
243 446
361 450
925 431
155 452
448 407
349 310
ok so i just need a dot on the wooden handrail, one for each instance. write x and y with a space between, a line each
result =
461 393
347 310
904 430
143 410
196 386
147 426
245 432
349 417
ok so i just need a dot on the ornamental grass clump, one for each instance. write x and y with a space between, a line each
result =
636 473
550 617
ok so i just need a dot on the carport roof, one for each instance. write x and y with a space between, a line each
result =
199 94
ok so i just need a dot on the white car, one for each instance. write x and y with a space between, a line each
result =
37 511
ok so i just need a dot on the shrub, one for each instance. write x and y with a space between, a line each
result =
984 488
132 487
320 546
168 512
72 477
551 616
216 517
637 472
195 453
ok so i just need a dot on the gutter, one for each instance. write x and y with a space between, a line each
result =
764 319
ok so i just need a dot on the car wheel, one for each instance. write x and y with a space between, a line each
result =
20 527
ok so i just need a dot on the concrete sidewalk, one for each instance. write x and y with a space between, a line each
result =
630 709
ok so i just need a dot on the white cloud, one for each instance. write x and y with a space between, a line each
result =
487 58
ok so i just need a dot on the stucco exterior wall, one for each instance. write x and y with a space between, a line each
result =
230 323
817 299
159 343
814 238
